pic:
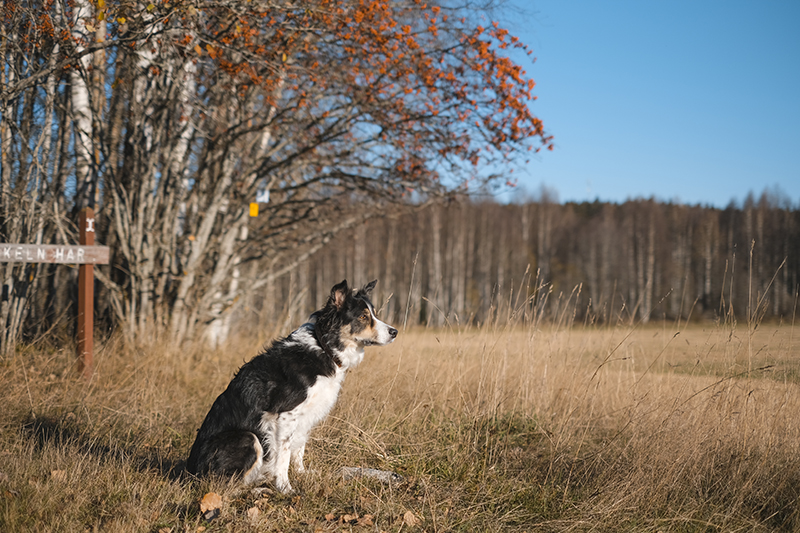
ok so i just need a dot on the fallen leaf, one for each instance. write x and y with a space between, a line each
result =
349 518
210 501
200 529
253 513
366 520
410 519
330 517
59 475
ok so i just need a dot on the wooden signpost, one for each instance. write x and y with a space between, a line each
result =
86 255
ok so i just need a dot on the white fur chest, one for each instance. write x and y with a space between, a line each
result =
319 401
351 357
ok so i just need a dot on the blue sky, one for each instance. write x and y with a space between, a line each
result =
693 102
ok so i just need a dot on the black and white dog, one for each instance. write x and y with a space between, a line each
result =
261 422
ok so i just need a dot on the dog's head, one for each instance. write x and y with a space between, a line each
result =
349 320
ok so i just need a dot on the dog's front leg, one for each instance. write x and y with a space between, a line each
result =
287 424
298 450
282 470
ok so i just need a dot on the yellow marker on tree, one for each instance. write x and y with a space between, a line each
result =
253 209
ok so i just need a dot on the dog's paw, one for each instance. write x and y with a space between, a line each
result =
284 487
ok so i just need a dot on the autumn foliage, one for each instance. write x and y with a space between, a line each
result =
411 78
425 92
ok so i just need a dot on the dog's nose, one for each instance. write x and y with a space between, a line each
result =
393 332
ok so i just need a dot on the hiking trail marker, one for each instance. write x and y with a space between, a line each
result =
86 255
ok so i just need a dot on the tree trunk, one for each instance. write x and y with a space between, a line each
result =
81 106
435 283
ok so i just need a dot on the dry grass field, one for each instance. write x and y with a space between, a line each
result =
613 428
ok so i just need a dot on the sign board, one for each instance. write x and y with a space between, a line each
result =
53 253
86 255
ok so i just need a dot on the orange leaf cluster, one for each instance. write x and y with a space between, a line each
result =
391 60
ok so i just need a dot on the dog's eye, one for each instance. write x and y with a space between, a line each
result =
365 315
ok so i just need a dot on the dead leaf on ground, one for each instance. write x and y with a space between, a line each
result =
253 513
366 520
210 501
349 518
410 519
59 475
330 517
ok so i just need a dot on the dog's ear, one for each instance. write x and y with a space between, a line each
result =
369 286
339 294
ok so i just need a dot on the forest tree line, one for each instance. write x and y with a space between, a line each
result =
473 262
470 261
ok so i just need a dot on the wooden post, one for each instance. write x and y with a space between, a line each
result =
86 255
86 297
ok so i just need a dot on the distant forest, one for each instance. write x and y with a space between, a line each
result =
473 262
643 260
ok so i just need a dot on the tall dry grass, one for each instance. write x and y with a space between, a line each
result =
527 428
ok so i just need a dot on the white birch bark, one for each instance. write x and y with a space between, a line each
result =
647 301
435 283
81 103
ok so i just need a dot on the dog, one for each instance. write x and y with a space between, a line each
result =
261 422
